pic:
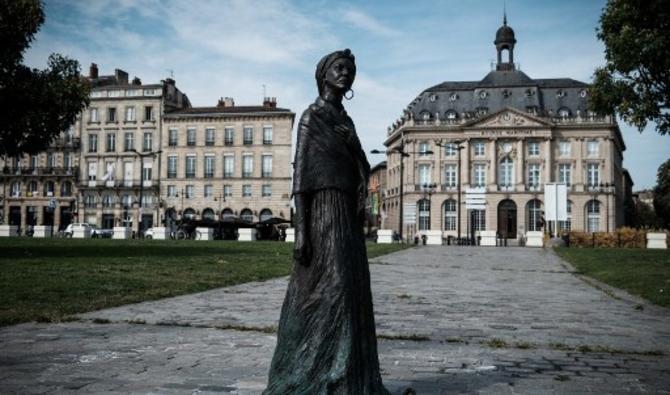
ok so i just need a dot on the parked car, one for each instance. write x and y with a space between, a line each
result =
71 228
149 233
95 232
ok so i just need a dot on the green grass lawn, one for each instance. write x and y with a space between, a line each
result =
51 279
641 272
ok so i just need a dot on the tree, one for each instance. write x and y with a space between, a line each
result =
635 81
662 195
35 105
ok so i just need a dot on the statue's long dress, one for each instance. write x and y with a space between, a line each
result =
326 340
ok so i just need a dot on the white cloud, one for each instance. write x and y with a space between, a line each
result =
366 22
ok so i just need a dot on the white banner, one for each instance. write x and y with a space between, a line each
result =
409 214
555 202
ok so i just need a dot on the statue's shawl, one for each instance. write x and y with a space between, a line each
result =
326 157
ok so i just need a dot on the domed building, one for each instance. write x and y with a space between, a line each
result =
504 138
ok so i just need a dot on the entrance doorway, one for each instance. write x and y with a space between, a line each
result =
48 216
507 219
15 216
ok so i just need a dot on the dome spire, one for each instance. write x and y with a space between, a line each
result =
505 40
504 13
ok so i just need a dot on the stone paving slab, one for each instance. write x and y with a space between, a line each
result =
483 321
514 294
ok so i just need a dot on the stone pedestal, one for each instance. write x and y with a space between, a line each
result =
204 233
290 235
81 232
657 241
42 231
121 233
534 239
384 236
488 238
433 237
249 234
161 233
9 231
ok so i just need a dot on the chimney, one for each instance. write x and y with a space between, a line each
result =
226 102
137 81
121 77
93 71
270 102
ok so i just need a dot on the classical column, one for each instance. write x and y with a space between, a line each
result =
548 162
519 166
40 215
493 164
578 175
464 166
57 214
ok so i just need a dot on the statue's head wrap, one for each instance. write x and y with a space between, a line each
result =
328 60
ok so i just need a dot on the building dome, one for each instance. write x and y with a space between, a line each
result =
505 34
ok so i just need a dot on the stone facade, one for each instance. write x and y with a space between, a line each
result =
510 135
42 189
120 143
227 161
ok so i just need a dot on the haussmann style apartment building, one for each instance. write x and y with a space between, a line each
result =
510 135
140 156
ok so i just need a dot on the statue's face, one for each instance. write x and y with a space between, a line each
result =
341 74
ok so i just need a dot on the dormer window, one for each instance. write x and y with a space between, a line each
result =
482 111
582 93
560 93
564 112
425 115
483 95
453 97
432 97
506 93
529 92
451 114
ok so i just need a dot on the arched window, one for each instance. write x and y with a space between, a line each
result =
423 207
566 226
89 201
147 200
451 114
208 214
506 176
450 214
593 216
49 188
227 213
247 215
107 200
189 214
534 215
563 112
127 201
32 188
66 188
425 116
265 214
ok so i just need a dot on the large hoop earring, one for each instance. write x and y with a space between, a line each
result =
352 94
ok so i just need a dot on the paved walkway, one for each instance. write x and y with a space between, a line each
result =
454 320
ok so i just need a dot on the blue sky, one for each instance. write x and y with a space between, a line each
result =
233 48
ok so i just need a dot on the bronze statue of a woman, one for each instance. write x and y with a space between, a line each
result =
326 343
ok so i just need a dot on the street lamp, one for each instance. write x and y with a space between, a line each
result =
139 209
400 150
457 146
220 199
428 190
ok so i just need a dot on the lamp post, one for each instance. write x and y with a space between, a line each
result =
429 189
139 209
221 199
400 149
457 146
